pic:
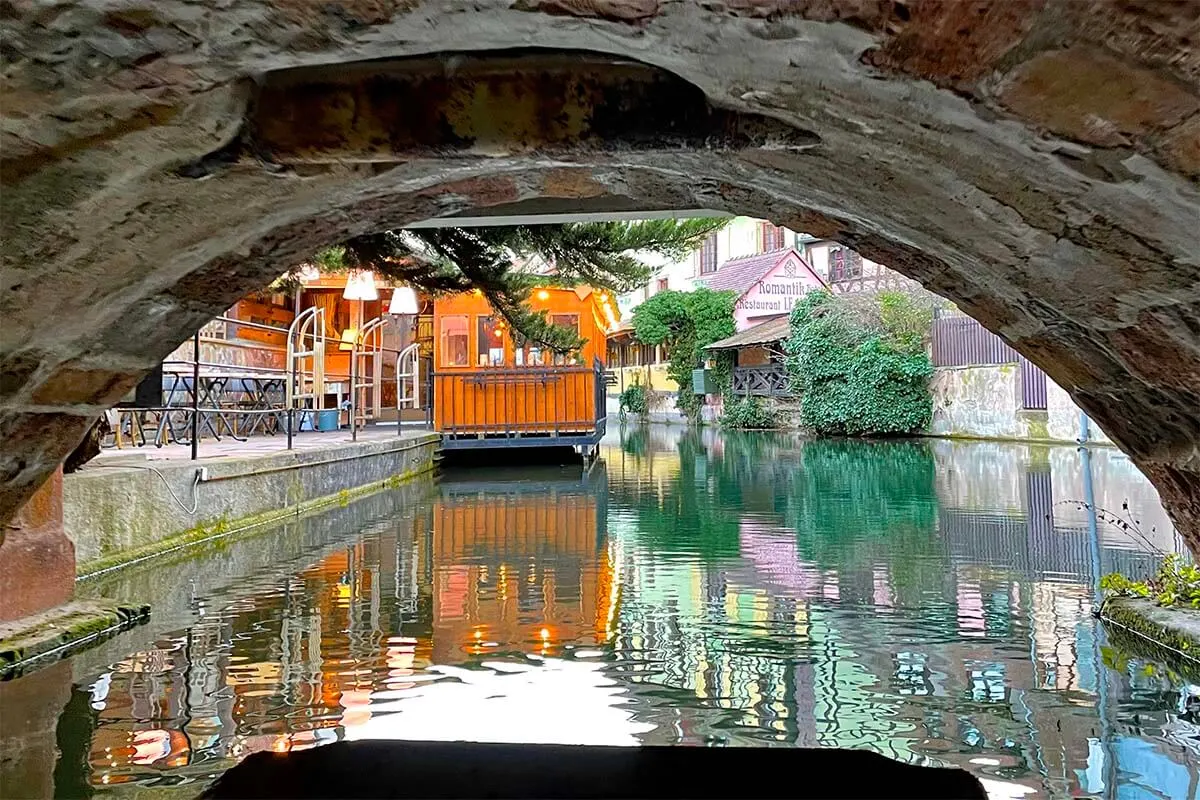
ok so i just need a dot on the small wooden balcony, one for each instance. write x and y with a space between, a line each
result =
523 407
770 380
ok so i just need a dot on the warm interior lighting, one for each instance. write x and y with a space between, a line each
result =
349 336
308 274
360 285
543 294
404 301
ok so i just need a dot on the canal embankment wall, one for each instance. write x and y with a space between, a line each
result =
985 402
117 513
971 402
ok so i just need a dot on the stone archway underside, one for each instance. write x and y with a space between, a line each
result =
1033 160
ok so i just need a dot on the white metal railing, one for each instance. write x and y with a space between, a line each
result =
408 378
366 368
306 359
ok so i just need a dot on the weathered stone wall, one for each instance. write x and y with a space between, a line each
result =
984 402
38 559
224 566
1033 160
114 514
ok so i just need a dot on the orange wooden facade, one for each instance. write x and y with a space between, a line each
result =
487 381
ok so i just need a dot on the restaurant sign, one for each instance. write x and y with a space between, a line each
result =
779 289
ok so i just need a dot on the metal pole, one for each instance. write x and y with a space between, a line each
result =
1089 499
196 396
354 371
290 395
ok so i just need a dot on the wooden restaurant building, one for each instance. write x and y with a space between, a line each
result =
351 351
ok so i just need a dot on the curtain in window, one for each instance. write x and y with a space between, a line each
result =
455 343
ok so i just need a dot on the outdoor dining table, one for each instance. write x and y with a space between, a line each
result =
257 391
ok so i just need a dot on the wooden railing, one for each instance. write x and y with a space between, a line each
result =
522 402
768 381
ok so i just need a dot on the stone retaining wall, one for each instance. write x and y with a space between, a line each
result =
118 514
985 403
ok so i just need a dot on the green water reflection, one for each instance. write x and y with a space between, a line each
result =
930 601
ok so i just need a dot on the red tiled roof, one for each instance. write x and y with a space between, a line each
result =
773 330
740 274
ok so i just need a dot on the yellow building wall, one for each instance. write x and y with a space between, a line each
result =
653 376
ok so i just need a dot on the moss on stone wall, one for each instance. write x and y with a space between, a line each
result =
213 534
1169 635
72 625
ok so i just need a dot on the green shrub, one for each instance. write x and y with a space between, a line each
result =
687 322
857 375
1175 583
749 413
634 400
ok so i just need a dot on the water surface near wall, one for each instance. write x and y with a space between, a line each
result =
928 600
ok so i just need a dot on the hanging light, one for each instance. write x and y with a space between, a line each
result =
404 301
360 285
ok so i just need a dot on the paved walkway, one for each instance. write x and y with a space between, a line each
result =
254 445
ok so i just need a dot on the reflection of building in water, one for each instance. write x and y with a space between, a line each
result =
524 564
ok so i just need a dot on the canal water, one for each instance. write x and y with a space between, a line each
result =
931 601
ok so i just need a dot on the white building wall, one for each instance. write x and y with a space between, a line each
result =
737 239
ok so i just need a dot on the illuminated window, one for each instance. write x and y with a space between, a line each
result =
570 321
708 255
455 344
525 353
489 342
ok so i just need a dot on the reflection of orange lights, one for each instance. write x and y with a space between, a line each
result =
150 746
356 703
545 633
282 744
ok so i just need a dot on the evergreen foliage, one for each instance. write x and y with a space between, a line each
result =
634 400
499 261
861 372
749 413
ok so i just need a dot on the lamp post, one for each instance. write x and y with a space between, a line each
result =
360 287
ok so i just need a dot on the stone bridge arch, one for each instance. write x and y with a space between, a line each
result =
1036 161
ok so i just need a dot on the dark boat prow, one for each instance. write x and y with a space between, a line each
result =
468 770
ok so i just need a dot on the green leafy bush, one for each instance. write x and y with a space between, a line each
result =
859 374
687 322
634 400
1175 583
749 413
